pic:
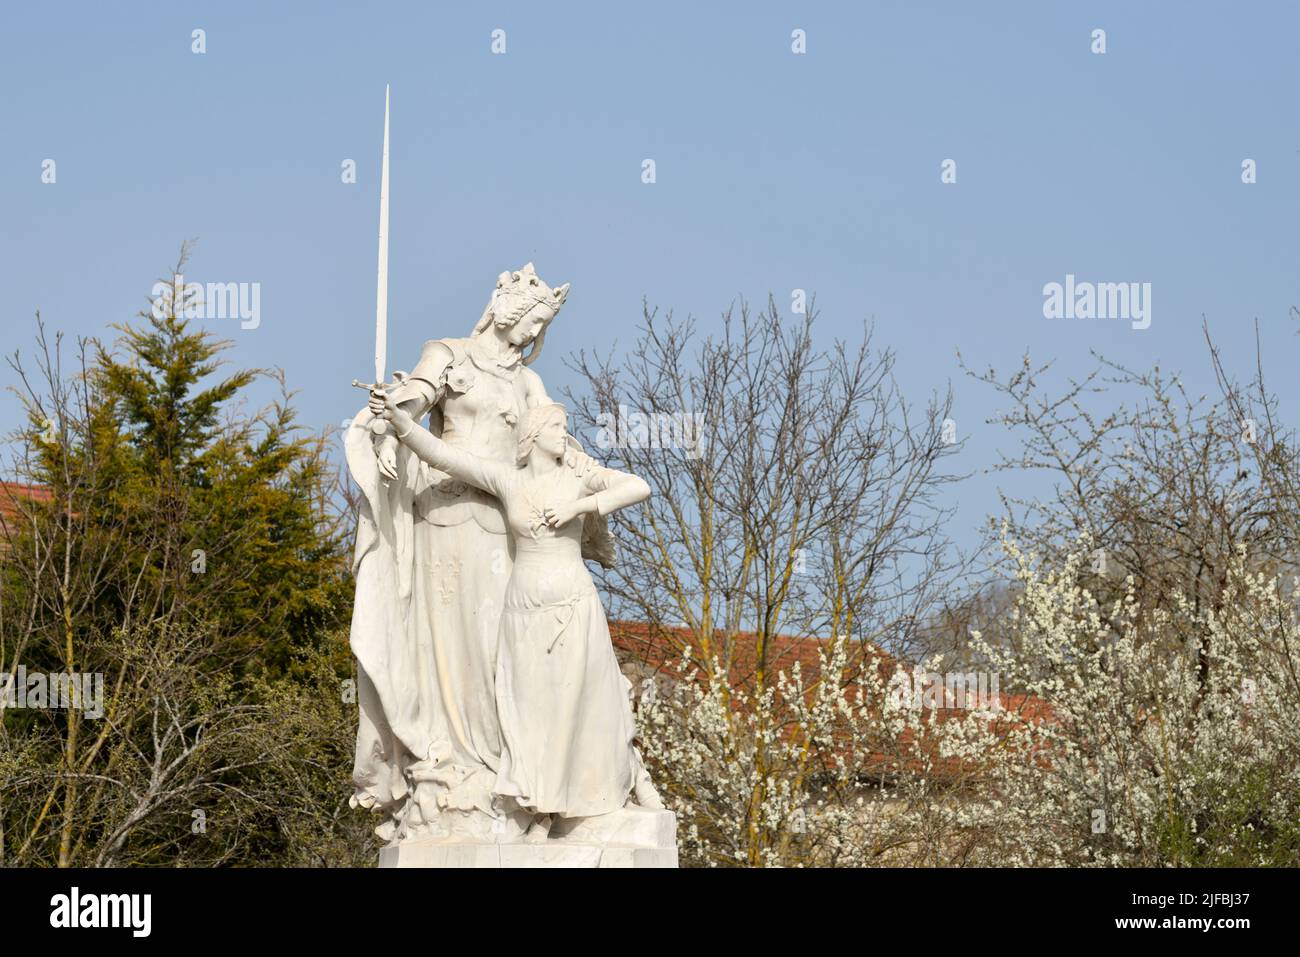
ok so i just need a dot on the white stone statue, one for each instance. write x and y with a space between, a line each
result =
459 702
432 562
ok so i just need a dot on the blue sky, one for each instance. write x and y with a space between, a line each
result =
775 171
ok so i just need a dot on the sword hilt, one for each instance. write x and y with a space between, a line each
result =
378 426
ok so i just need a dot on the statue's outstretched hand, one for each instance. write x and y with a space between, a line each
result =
381 404
383 407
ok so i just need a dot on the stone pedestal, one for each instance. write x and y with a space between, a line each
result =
632 837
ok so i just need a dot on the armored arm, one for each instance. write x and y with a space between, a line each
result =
415 394
477 470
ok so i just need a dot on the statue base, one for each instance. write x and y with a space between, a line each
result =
632 837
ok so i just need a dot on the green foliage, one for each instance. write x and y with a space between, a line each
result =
251 549
1240 826
190 551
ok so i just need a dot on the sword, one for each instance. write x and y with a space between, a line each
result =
379 426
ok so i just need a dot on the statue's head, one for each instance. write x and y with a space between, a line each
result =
545 427
521 308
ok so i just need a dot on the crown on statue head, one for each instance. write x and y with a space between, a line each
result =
526 284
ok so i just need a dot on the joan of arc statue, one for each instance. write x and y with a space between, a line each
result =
432 561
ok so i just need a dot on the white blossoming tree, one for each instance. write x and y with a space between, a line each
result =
1148 758
1115 752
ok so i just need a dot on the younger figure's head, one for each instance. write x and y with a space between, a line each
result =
545 428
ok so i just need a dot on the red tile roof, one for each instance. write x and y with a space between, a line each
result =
661 649
14 496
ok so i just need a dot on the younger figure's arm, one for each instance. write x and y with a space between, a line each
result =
478 471
612 489
607 490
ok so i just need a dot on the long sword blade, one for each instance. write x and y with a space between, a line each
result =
381 293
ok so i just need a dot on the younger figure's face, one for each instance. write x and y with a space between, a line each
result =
553 438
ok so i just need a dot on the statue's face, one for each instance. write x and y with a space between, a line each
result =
553 438
530 326
524 305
